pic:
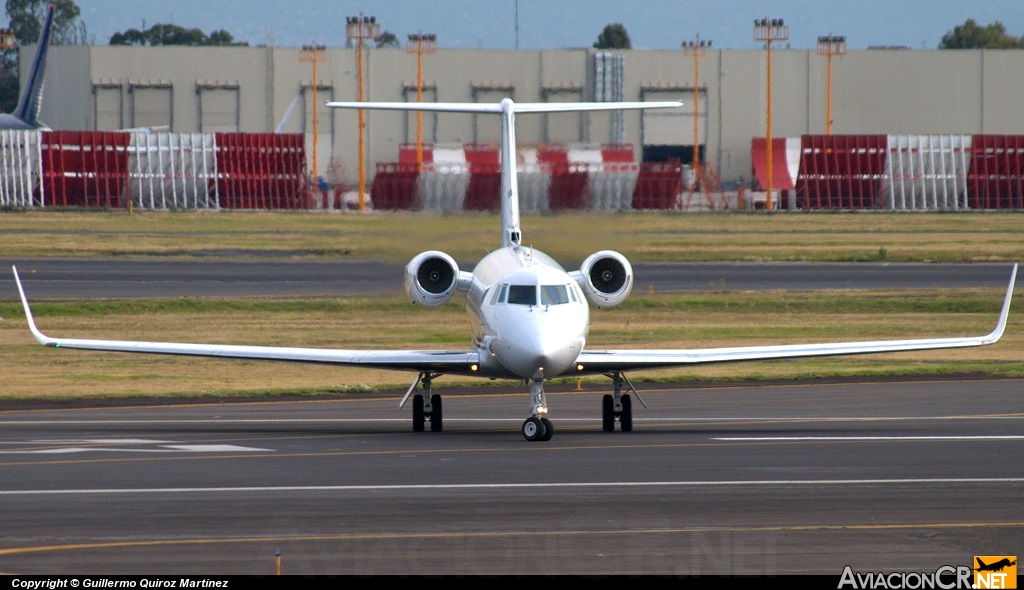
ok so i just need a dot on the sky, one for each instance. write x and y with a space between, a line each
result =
557 24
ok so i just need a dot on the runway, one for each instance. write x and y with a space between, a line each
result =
137 278
743 479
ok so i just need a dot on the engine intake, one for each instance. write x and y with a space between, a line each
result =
606 278
431 278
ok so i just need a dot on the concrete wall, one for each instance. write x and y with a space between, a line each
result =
874 91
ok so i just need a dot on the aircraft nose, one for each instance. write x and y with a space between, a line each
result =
547 355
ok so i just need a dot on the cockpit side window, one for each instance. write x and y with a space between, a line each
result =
553 295
572 293
499 295
522 294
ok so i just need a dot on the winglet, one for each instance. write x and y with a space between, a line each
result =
1003 315
42 338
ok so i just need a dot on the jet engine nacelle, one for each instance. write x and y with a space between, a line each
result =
431 278
606 278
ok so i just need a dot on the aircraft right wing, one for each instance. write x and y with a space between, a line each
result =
603 361
453 362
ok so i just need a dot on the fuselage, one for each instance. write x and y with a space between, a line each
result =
529 317
13 123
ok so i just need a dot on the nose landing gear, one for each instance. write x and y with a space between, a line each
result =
538 427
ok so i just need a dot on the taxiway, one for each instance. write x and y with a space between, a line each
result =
758 480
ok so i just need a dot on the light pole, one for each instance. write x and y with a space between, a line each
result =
314 54
769 30
359 29
419 44
696 48
830 45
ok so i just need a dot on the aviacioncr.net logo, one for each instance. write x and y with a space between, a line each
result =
946 577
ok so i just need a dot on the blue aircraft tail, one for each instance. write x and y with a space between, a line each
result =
31 100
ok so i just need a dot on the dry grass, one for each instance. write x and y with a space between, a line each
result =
961 237
645 322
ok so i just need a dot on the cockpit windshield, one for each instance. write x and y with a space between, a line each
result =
553 295
527 295
522 294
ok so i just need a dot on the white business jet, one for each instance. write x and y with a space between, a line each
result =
530 318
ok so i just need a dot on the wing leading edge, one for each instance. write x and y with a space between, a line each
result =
602 361
453 362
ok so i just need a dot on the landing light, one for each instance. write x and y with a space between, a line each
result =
473 367
579 367
542 410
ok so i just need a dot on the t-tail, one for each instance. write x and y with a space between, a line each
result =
511 234
31 100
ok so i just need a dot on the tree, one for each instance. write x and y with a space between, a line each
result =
970 35
27 21
614 36
388 40
223 38
170 34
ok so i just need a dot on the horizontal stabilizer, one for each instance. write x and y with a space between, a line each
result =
526 107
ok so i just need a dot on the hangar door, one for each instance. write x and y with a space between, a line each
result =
218 108
668 133
108 109
151 106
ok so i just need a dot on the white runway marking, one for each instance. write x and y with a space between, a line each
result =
538 486
853 438
122 445
402 419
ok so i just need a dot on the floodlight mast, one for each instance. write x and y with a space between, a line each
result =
828 46
697 49
314 54
769 30
359 29
420 43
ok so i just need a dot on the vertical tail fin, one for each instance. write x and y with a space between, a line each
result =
510 232
31 100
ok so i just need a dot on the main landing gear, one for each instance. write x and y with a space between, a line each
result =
538 427
425 405
618 406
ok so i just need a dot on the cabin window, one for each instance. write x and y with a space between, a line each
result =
553 295
522 294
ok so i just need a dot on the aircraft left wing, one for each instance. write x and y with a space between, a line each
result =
452 362
603 361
